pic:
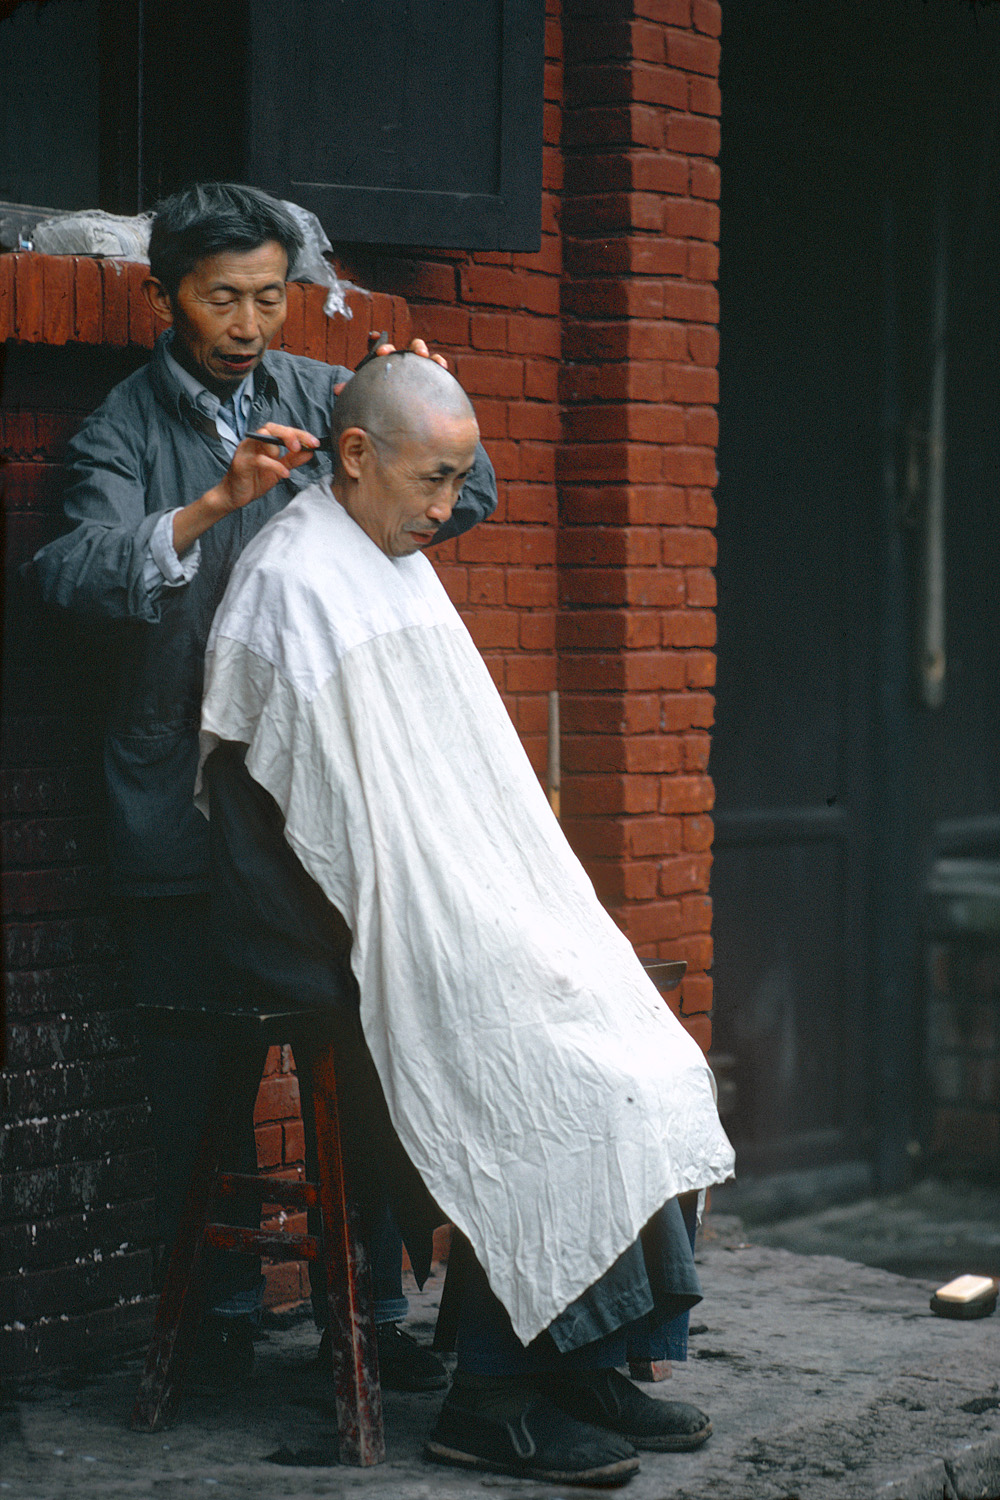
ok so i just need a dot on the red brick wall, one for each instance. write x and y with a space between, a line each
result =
75 1159
637 464
596 393
281 1153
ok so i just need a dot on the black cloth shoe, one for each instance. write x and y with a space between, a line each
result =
606 1399
403 1364
506 1427
223 1353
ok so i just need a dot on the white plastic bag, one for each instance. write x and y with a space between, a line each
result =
94 233
312 265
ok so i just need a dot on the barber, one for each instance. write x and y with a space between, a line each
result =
166 486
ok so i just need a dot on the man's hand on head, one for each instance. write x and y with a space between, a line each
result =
416 346
255 469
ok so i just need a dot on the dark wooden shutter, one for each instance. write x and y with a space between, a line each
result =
402 121
396 121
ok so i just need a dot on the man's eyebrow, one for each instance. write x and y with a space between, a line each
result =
445 469
226 286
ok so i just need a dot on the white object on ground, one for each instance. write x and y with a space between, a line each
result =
966 1288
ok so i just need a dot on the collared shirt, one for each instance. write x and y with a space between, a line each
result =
162 568
231 417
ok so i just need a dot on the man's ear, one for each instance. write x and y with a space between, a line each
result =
354 444
158 298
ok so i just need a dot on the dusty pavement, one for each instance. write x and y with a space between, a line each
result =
936 1229
824 1378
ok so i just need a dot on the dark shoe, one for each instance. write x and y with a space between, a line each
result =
606 1399
507 1428
223 1353
403 1364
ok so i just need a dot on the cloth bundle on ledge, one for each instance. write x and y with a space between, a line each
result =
546 1095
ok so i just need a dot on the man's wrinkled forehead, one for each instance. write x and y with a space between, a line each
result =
426 435
444 444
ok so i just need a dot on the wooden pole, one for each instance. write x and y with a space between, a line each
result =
554 776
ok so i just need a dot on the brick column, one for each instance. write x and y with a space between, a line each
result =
637 466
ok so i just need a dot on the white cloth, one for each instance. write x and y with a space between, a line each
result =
537 1080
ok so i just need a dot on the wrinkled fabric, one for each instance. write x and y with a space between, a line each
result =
546 1095
278 941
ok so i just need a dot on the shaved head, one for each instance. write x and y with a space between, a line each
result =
404 438
395 399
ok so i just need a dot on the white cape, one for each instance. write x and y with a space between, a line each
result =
544 1091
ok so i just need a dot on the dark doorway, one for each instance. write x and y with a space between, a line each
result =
860 184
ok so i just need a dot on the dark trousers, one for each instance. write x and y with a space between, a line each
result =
173 964
486 1344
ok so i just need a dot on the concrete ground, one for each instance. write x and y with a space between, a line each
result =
824 1378
937 1229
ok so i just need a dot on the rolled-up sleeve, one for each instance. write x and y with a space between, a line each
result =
163 569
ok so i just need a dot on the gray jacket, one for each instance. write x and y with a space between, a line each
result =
147 450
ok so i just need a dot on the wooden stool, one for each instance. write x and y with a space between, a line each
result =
339 1248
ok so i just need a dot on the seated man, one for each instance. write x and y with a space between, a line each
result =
361 769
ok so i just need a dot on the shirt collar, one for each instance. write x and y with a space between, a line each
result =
170 388
202 397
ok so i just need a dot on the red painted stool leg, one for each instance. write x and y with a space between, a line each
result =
348 1282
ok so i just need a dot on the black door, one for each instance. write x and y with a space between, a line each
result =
859 206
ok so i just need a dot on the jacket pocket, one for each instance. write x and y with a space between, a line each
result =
157 835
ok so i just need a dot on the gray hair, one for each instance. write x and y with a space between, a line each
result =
210 218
